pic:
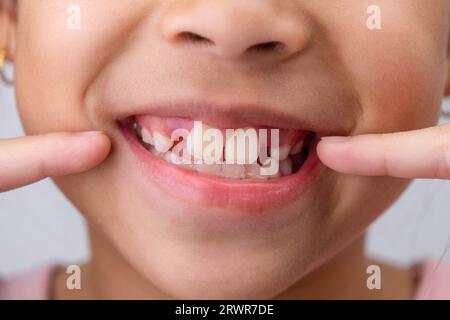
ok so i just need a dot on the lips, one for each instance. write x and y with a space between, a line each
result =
239 187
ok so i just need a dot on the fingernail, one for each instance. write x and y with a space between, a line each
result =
89 133
336 139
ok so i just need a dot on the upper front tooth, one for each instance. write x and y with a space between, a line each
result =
196 138
246 153
297 148
162 142
147 136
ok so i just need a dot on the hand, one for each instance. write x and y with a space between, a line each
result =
28 159
423 153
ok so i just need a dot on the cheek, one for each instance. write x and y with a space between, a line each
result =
398 75
362 200
397 72
55 65
401 81
400 87
48 73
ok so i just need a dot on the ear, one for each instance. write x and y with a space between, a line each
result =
8 22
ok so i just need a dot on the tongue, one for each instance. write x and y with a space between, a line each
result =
167 125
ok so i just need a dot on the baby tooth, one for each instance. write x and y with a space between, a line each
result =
147 136
162 143
283 152
233 171
297 148
286 167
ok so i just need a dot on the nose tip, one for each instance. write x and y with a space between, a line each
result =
234 29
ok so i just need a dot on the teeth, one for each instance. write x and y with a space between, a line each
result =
253 171
235 171
175 159
161 142
286 167
246 153
199 146
297 148
160 145
147 136
209 169
196 136
283 152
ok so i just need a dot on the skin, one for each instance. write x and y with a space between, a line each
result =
358 81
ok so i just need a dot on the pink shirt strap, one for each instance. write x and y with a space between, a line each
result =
434 281
29 286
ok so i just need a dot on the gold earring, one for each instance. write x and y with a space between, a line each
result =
2 68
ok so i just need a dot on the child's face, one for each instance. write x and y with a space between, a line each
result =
196 237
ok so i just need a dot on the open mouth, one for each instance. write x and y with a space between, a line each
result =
155 134
241 186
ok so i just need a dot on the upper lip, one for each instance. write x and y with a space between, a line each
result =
233 115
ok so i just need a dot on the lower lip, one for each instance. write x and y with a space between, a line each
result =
209 191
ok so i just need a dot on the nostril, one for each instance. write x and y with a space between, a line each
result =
270 46
187 36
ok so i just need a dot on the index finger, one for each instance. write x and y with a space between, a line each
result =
423 153
28 159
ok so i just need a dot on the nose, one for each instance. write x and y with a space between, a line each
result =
234 29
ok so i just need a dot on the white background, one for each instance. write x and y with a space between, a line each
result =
39 226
